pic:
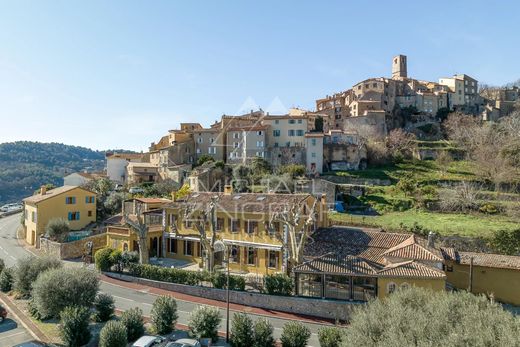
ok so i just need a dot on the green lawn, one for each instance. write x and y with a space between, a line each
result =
441 223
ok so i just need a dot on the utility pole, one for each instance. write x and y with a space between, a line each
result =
227 295
470 288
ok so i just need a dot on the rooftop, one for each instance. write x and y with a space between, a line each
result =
482 259
51 193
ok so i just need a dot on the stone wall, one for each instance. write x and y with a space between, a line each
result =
74 249
327 309
279 156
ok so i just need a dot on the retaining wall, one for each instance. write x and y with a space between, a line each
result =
74 249
327 309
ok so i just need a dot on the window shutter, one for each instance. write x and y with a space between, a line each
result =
70 215
77 215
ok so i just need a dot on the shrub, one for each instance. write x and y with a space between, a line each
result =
219 280
420 317
158 273
241 330
57 229
128 258
204 322
164 314
295 334
132 319
2 265
104 305
506 241
6 280
28 269
278 284
113 334
74 326
488 208
103 259
294 170
330 337
58 288
116 256
263 333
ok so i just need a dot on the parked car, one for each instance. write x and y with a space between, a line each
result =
3 314
118 187
184 343
148 341
136 190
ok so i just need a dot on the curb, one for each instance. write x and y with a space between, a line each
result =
38 335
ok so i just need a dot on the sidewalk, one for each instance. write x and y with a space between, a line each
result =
216 303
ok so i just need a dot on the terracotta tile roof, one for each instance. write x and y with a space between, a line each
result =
90 175
242 202
335 264
249 128
483 259
153 200
410 269
412 249
52 193
124 155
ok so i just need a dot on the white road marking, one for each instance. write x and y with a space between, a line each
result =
9 336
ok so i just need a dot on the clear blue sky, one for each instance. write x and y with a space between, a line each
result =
119 74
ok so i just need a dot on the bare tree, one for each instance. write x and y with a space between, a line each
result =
140 228
201 219
297 222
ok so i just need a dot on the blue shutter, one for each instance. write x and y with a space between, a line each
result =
70 215
87 199
77 215
73 199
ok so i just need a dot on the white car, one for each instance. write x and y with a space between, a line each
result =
148 341
136 190
184 343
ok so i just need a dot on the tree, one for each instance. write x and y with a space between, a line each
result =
201 217
204 322
318 124
74 326
401 144
113 334
28 269
330 337
295 334
6 280
420 317
103 187
183 192
443 161
56 289
263 333
103 259
132 319
2 265
241 330
138 225
294 170
278 284
105 307
164 314
298 220
57 229
463 198
506 242
204 158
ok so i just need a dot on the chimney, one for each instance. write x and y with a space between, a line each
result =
43 190
228 189
431 240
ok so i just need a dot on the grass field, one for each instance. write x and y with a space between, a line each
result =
441 223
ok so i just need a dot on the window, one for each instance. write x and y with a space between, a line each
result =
364 288
73 216
313 154
299 132
276 144
234 225
292 121
235 135
374 85
173 246
273 259
188 247
211 140
259 133
200 140
259 154
313 142
274 229
220 224
276 133
198 150
187 224
252 227
405 286
309 285
276 121
172 220
234 254
300 121
236 144
212 150
33 217
337 287
89 199
70 200
89 213
259 143
290 132
251 256
391 287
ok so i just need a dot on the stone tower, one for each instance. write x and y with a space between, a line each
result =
399 69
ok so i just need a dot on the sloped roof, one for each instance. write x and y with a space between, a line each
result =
482 259
411 249
411 268
51 194
334 264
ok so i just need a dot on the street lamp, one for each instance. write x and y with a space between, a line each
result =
220 246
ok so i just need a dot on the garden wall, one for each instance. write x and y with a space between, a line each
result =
74 249
327 309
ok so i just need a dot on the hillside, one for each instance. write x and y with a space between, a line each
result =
25 166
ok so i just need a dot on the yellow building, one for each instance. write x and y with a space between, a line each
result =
242 224
72 203
483 273
120 236
354 264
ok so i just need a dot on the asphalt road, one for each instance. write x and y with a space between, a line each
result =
13 333
11 251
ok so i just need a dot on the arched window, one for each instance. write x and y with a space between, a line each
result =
405 285
391 287
125 247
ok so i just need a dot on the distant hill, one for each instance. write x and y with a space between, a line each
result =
25 166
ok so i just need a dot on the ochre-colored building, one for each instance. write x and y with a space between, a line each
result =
494 275
354 264
242 224
74 204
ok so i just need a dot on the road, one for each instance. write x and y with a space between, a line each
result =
125 298
13 333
